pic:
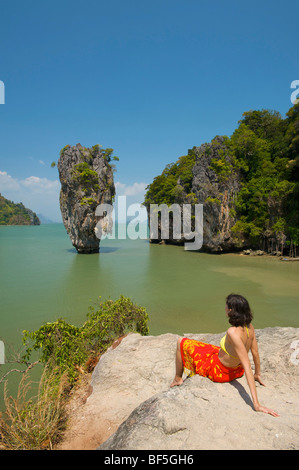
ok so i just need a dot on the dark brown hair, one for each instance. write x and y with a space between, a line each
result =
240 313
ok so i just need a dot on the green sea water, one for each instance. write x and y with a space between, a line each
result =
42 278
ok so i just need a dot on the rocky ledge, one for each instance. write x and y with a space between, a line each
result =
130 405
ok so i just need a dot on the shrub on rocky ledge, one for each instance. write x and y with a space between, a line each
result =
70 347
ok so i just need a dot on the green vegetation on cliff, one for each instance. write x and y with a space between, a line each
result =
265 148
16 214
173 184
264 153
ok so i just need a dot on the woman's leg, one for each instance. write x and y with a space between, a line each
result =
179 366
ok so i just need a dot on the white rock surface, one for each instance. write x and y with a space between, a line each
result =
132 407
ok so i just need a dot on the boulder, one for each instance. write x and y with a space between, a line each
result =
132 407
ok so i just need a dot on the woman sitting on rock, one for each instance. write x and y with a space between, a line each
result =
230 360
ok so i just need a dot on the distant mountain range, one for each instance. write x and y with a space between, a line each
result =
44 220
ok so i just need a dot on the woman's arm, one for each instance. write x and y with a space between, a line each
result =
256 360
244 359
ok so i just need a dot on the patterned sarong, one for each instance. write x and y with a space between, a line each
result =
202 358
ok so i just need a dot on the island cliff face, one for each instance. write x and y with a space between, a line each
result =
86 181
210 180
215 185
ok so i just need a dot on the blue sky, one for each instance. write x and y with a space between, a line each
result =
149 79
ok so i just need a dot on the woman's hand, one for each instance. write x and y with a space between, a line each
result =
263 409
258 379
259 407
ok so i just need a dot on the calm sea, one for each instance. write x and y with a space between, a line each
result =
42 278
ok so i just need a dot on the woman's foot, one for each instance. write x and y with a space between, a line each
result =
176 382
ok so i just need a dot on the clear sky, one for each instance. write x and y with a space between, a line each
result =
150 79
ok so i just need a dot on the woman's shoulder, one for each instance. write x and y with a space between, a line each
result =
232 331
236 330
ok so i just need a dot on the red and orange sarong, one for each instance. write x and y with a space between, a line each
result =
202 358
